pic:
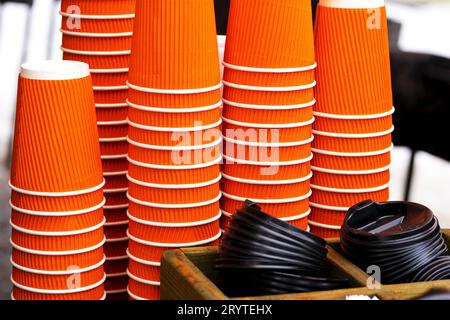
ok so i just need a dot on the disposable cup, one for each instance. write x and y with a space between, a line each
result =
117 286
143 291
115 249
348 197
114 164
115 215
324 231
98 7
115 61
111 114
114 182
350 179
96 41
110 96
147 270
116 230
116 268
116 200
327 214
109 78
115 147
79 24
112 129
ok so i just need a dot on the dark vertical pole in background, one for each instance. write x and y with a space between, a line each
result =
222 7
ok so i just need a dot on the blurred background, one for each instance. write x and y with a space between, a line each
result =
420 58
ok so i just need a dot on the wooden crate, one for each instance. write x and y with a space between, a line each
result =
189 274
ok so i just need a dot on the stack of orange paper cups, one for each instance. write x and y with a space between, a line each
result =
174 136
99 33
56 179
267 114
353 112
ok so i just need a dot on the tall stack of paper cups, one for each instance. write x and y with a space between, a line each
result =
353 112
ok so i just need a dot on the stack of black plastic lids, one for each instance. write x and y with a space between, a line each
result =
262 255
403 239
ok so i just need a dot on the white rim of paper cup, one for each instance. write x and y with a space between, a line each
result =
352 4
116 223
353 135
57 233
114 240
109 88
135 297
270 89
175 186
57 213
66 291
117 258
116 206
118 139
174 245
96 53
268 164
54 70
353 154
273 201
174 110
110 71
118 291
112 123
173 205
268 182
117 190
175 91
142 261
174 224
114 157
170 129
337 190
115 275
270 70
350 172
140 280
269 107
111 105
175 167
58 272
57 194
325 207
323 226
96 35
286 219
97 16
354 117
175 148
270 144
57 253
270 125
115 173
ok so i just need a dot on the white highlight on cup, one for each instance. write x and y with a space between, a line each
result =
336 190
152 283
352 4
353 135
269 125
57 213
270 201
57 233
353 154
270 70
269 89
58 272
354 117
173 206
174 224
109 88
176 148
96 35
324 226
57 194
268 182
56 253
269 107
97 17
231 160
96 53
169 129
112 123
141 261
350 172
111 105
270 144
175 91
174 245
174 110
325 207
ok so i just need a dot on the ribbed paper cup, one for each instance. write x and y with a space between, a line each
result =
188 155
143 291
268 114
110 96
351 161
276 189
72 22
327 214
88 42
59 94
116 230
117 286
350 179
111 148
334 143
184 62
105 114
98 7
271 152
300 223
115 267
116 200
115 215
114 182
164 136
267 170
114 130
175 193
245 131
345 198
105 61
173 118
115 164
109 79
324 232
116 249
360 83
145 270
174 174
225 222
57 203
281 35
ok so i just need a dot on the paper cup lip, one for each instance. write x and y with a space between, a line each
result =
274 201
96 53
112 123
97 17
135 297
175 167
116 206
118 139
175 186
114 240
113 157
57 213
116 190
175 91
174 110
354 117
116 223
169 129
353 154
56 253
175 148
174 245
57 272
141 261
269 144
118 291
65 291
353 135
110 71
115 275
152 283
268 182
270 70
351 172
270 126
115 173
258 163
174 205
54 70
324 226
111 105
352 4
270 89
174 225
336 190
286 219
326 207
96 35
109 88
57 194
269 107
57 233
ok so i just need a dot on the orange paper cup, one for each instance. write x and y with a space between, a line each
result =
98 7
115 215
114 182
116 249
350 179
106 78
72 22
110 97
116 200
98 61
114 164
96 41
108 130
112 114
97 293
348 197
143 291
116 230
147 270
116 286
116 267
119 146
327 214
324 233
